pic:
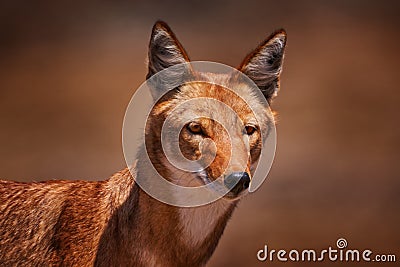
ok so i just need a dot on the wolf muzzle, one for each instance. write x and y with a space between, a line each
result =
237 182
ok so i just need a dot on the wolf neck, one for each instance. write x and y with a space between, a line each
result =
174 236
185 236
200 223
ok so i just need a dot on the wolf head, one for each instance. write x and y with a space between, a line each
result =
215 120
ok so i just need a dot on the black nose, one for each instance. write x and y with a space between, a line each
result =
237 181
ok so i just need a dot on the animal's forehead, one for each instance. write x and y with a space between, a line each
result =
208 93
214 98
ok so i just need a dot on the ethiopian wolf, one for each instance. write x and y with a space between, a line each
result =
114 222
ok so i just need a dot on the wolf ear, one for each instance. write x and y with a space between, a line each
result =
164 49
264 64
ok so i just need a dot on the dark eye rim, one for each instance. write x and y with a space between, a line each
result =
198 131
250 129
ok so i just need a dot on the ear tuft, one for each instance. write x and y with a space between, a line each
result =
264 64
164 49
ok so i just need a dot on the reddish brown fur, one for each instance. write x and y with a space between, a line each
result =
114 222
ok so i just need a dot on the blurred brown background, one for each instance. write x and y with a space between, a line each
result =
68 70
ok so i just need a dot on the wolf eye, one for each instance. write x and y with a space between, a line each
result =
194 128
250 129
